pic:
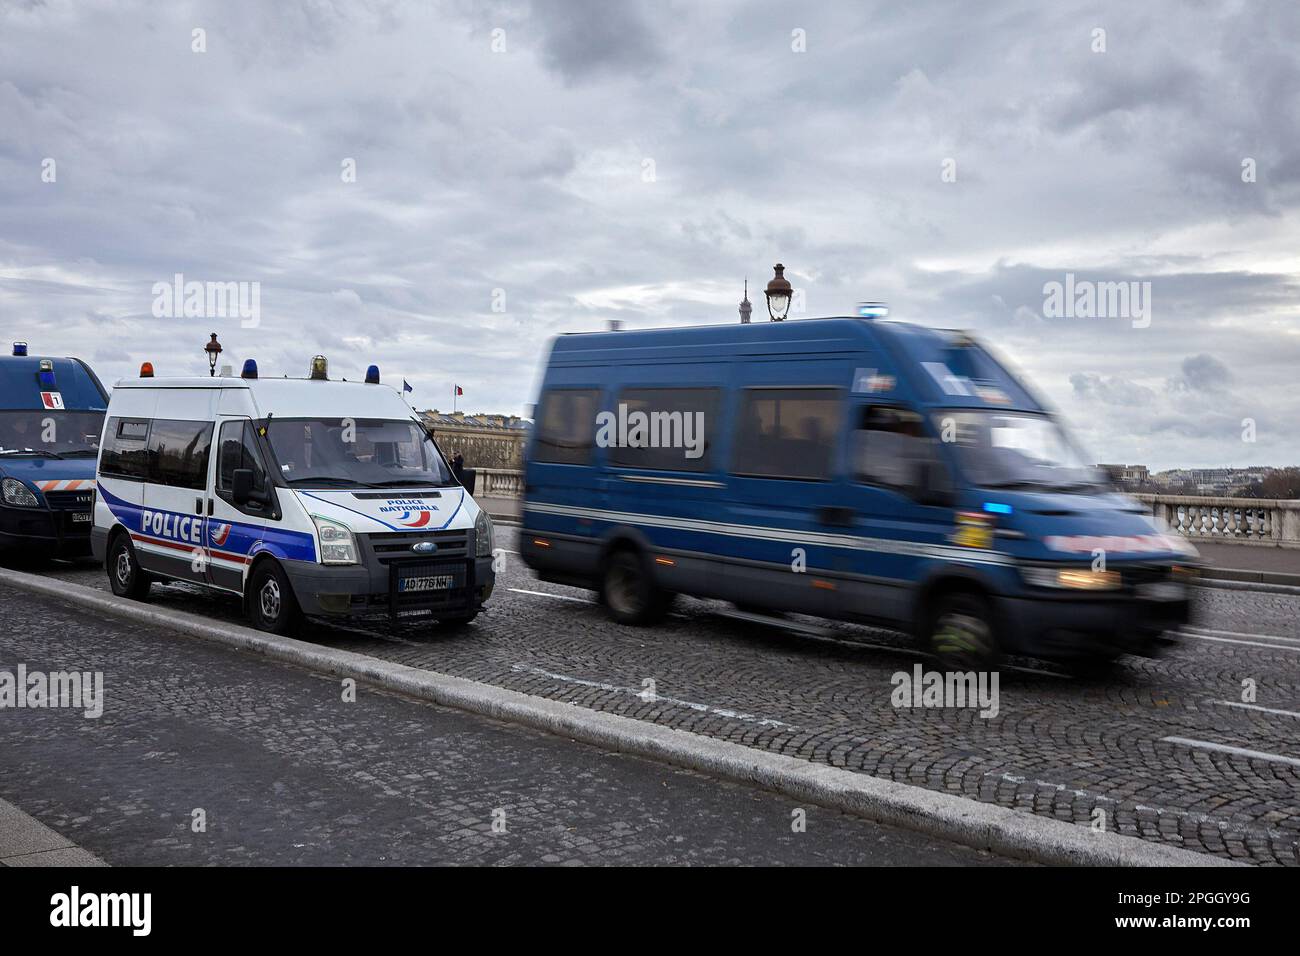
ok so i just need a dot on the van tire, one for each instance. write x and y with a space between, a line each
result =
629 592
959 633
125 576
270 602
454 622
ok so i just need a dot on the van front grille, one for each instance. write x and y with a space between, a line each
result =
393 548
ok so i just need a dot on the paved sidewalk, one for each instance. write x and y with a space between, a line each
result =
25 841
1251 563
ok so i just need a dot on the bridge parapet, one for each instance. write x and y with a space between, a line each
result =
1261 521
499 483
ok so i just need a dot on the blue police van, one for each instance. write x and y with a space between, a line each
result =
855 469
51 417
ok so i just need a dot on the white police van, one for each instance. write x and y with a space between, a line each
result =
303 496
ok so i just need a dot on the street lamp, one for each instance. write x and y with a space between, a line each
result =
778 294
213 348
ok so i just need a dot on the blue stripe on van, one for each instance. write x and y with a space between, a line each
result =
242 538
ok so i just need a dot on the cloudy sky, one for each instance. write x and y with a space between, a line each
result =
524 169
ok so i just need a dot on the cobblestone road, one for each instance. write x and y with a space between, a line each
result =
287 773
1062 747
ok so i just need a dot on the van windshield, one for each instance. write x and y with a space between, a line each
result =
1016 450
355 453
50 434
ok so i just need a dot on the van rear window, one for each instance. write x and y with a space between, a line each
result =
124 454
787 433
566 426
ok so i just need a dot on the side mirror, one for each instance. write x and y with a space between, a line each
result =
241 486
468 478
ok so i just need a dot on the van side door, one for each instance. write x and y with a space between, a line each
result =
782 527
234 528
171 538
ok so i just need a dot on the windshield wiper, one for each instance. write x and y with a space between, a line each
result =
331 480
30 451
409 483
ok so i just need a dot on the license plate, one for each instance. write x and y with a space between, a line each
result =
429 582
81 517
1162 591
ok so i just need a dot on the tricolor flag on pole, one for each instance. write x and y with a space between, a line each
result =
406 386
456 392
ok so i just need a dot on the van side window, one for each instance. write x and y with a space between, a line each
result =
886 445
237 448
178 453
124 454
787 432
566 426
666 429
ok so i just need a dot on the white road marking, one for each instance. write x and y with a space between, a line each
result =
1196 628
558 597
1263 710
657 698
1229 640
1194 816
1234 751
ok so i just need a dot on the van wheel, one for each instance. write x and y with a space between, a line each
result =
454 622
272 605
960 634
125 575
629 592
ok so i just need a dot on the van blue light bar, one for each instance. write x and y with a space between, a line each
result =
997 508
20 349
46 375
250 369
372 375
873 310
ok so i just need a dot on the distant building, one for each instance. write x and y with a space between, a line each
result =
1127 474
486 441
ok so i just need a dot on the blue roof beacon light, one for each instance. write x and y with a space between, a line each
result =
250 369
20 349
46 375
873 310
997 508
372 375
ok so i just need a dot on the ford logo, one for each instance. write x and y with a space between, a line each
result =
424 547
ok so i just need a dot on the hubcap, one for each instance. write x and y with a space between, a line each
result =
123 567
270 599
961 638
621 587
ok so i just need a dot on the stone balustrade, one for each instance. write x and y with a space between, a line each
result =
1262 521
498 483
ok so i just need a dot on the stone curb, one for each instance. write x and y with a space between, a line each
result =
944 816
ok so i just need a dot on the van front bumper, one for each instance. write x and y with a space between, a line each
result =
370 590
1068 627
41 532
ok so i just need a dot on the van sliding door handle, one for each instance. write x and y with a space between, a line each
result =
198 506
839 517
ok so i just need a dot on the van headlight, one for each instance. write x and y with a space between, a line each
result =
1073 579
337 546
482 535
17 494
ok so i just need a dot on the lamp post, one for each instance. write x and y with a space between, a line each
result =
778 294
213 348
